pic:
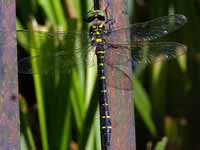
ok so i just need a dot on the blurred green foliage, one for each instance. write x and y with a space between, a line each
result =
65 117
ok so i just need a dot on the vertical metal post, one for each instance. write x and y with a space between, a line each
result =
120 101
9 113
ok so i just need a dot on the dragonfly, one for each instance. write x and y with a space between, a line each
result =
104 43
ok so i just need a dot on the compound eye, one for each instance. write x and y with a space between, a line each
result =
101 17
90 19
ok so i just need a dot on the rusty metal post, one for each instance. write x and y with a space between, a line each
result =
121 101
9 110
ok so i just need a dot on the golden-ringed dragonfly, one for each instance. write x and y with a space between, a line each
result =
60 49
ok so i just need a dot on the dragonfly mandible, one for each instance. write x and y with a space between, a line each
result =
61 53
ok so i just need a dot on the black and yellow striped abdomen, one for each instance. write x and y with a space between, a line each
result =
105 120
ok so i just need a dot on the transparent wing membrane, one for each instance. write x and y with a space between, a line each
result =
149 30
62 62
147 52
61 51
53 52
119 77
38 40
126 56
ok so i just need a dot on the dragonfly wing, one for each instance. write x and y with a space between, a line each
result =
148 30
40 41
121 58
53 50
119 77
118 68
62 62
145 53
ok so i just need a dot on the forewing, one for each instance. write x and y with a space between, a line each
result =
51 51
148 30
40 41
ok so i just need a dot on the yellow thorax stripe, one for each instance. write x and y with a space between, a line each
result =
101 25
98 40
97 32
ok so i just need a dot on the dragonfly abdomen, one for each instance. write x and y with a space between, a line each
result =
105 121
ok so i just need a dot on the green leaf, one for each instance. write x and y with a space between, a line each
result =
26 128
143 105
162 144
89 121
53 10
23 143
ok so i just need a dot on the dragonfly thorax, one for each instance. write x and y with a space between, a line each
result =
97 33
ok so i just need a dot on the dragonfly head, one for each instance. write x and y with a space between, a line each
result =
97 27
96 15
